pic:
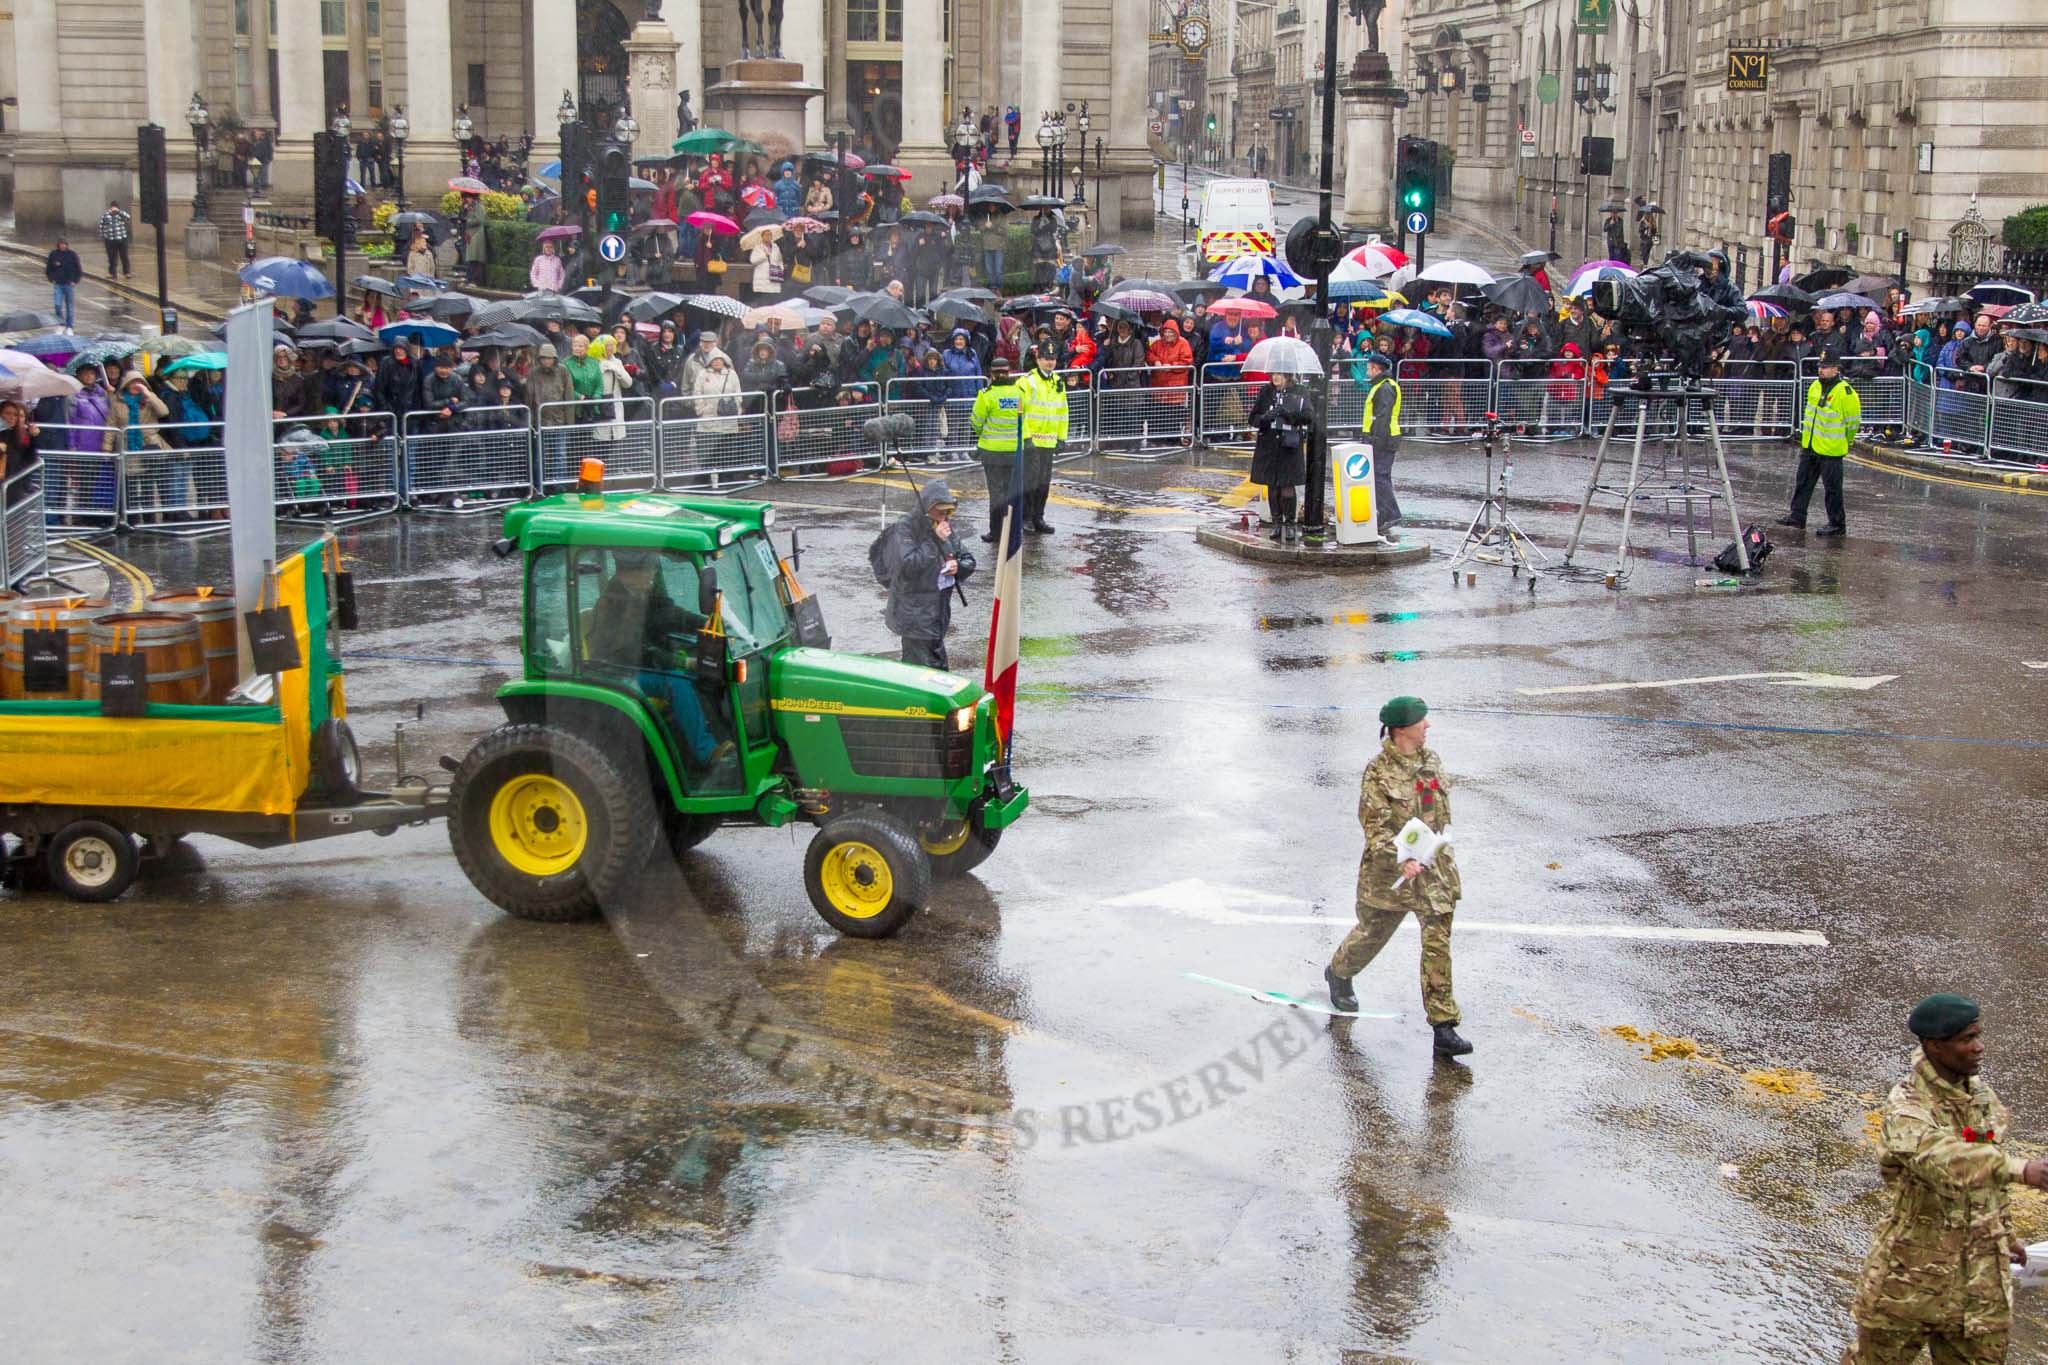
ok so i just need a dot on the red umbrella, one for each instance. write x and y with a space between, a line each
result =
804 223
758 196
886 172
1241 308
712 222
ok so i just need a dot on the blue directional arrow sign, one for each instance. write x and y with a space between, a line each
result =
1418 222
612 247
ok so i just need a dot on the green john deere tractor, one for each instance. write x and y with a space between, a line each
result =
677 678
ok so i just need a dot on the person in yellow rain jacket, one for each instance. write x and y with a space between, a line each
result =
1833 413
998 418
1045 427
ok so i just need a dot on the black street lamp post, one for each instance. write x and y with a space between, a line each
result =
401 129
340 128
197 115
1081 160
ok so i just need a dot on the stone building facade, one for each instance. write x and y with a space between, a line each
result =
896 73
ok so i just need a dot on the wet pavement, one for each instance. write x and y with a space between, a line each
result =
329 1104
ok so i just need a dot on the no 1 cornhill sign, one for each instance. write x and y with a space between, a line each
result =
1749 68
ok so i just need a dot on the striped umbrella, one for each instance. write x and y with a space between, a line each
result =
1763 309
1583 280
1239 271
1377 258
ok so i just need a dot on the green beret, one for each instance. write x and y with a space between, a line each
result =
1941 1017
1403 711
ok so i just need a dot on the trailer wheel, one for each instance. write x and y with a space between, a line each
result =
337 762
91 860
867 875
958 847
544 823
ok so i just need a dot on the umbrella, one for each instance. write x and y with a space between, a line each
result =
923 219
2030 333
1760 309
702 142
1031 303
805 223
827 216
468 184
987 189
1935 308
648 227
884 311
1417 319
171 346
99 353
1198 289
316 344
430 223
1456 272
1104 249
1283 355
1146 300
945 201
715 303
1845 300
1586 275
1112 309
287 278
745 147
211 361
853 163
644 163
512 334
32 383
1378 258
1238 308
758 196
1999 291
1043 201
785 313
712 222
559 232
1355 291
886 172
2029 314
428 334
551 171
1518 294
55 344
1824 278
971 293
831 295
1996 311
960 310
1651 207
1529 258
27 320
335 329
420 283
653 307
375 284
351 350
753 237
1790 295
640 186
1239 271
762 218
1138 282
449 305
1611 207
1873 285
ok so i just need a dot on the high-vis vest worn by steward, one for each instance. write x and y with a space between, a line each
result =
1393 418
1831 419
1045 408
998 415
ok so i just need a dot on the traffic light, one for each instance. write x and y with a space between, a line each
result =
1415 177
152 204
1212 125
1780 228
1778 189
330 176
614 192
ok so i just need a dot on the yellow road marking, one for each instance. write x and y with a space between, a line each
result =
1906 473
138 581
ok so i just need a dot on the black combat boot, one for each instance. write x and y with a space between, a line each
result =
1448 1043
1341 995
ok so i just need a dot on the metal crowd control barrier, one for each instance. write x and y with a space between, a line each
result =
1616 397
1080 410
1962 410
336 469
1920 403
1226 402
471 462
945 426
176 491
1883 396
707 451
81 481
619 431
827 442
1538 405
2019 426
1760 400
1134 414
1441 400
24 544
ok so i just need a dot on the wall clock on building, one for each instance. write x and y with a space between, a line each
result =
1193 35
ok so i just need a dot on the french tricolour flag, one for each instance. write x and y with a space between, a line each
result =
1005 620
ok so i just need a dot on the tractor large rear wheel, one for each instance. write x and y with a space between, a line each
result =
546 824
867 875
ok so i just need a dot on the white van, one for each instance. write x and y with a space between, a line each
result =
1236 217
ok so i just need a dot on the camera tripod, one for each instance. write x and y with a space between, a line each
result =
1692 399
1493 537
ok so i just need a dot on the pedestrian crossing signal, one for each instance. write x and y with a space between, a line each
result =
1415 176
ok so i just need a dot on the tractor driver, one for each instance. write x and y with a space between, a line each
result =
633 625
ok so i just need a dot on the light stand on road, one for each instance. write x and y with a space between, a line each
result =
1493 537
1690 399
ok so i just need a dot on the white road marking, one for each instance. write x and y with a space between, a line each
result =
1218 904
2032 664
1299 1002
1775 679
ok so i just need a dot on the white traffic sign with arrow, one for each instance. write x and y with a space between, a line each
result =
1800 679
612 247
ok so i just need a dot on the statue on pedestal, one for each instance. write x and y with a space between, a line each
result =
653 15
1368 13
767 36
685 120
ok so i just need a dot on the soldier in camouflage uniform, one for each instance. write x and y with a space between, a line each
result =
1406 780
1937 1279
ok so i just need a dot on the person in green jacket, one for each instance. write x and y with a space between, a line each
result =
1833 413
997 418
586 377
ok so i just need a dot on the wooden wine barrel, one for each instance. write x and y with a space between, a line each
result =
169 645
73 614
215 613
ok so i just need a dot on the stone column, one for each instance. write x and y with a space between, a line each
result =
430 154
924 98
1039 86
302 101
259 69
836 120
551 38
651 62
39 145
1128 197
804 42
1369 97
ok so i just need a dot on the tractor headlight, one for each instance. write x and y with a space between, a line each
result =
963 719
725 534
767 517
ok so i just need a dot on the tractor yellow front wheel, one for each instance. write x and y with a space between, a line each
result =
867 875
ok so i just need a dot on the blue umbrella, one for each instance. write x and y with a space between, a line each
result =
424 282
1355 291
429 334
1419 320
349 186
288 278
205 360
56 344
1239 272
551 171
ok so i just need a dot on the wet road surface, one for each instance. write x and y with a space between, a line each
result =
328 1104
